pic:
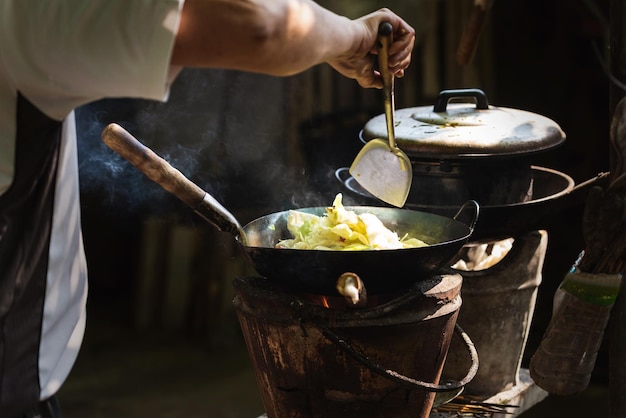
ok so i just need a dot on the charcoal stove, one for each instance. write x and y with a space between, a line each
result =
500 299
303 370
319 356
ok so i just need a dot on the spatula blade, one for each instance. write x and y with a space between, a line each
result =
384 172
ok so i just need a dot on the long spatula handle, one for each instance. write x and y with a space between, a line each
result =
385 38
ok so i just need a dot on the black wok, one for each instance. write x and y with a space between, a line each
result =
316 271
312 271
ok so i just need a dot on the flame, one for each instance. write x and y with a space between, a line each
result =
324 301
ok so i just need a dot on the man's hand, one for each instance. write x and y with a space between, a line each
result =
359 62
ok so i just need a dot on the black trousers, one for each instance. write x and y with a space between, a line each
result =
49 408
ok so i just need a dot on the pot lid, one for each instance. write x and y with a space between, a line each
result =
459 130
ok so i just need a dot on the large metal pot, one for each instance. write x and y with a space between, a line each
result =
312 271
462 151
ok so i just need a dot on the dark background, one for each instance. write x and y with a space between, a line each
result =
261 145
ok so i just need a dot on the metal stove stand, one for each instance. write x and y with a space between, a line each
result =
521 398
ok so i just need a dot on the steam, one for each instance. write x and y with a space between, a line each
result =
223 130
109 181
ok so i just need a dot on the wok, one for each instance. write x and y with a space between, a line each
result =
312 271
316 271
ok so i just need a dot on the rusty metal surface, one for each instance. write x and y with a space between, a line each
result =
302 373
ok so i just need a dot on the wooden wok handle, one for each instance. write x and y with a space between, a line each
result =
152 165
172 180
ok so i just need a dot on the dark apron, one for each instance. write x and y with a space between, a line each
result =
25 228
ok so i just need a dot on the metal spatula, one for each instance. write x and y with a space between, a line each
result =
381 167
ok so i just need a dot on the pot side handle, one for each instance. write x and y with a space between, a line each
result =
474 220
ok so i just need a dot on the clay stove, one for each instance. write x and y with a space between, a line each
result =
316 356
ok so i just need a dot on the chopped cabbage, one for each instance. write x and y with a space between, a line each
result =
342 230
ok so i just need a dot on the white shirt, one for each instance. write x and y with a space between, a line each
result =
60 54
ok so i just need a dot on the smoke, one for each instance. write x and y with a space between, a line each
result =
227 132
108 181
111 183
218 128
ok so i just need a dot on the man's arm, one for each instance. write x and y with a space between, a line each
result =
285 37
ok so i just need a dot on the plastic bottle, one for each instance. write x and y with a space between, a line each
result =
564 361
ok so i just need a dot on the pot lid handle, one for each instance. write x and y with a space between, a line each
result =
445 95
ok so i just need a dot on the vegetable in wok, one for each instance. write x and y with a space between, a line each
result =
342 230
